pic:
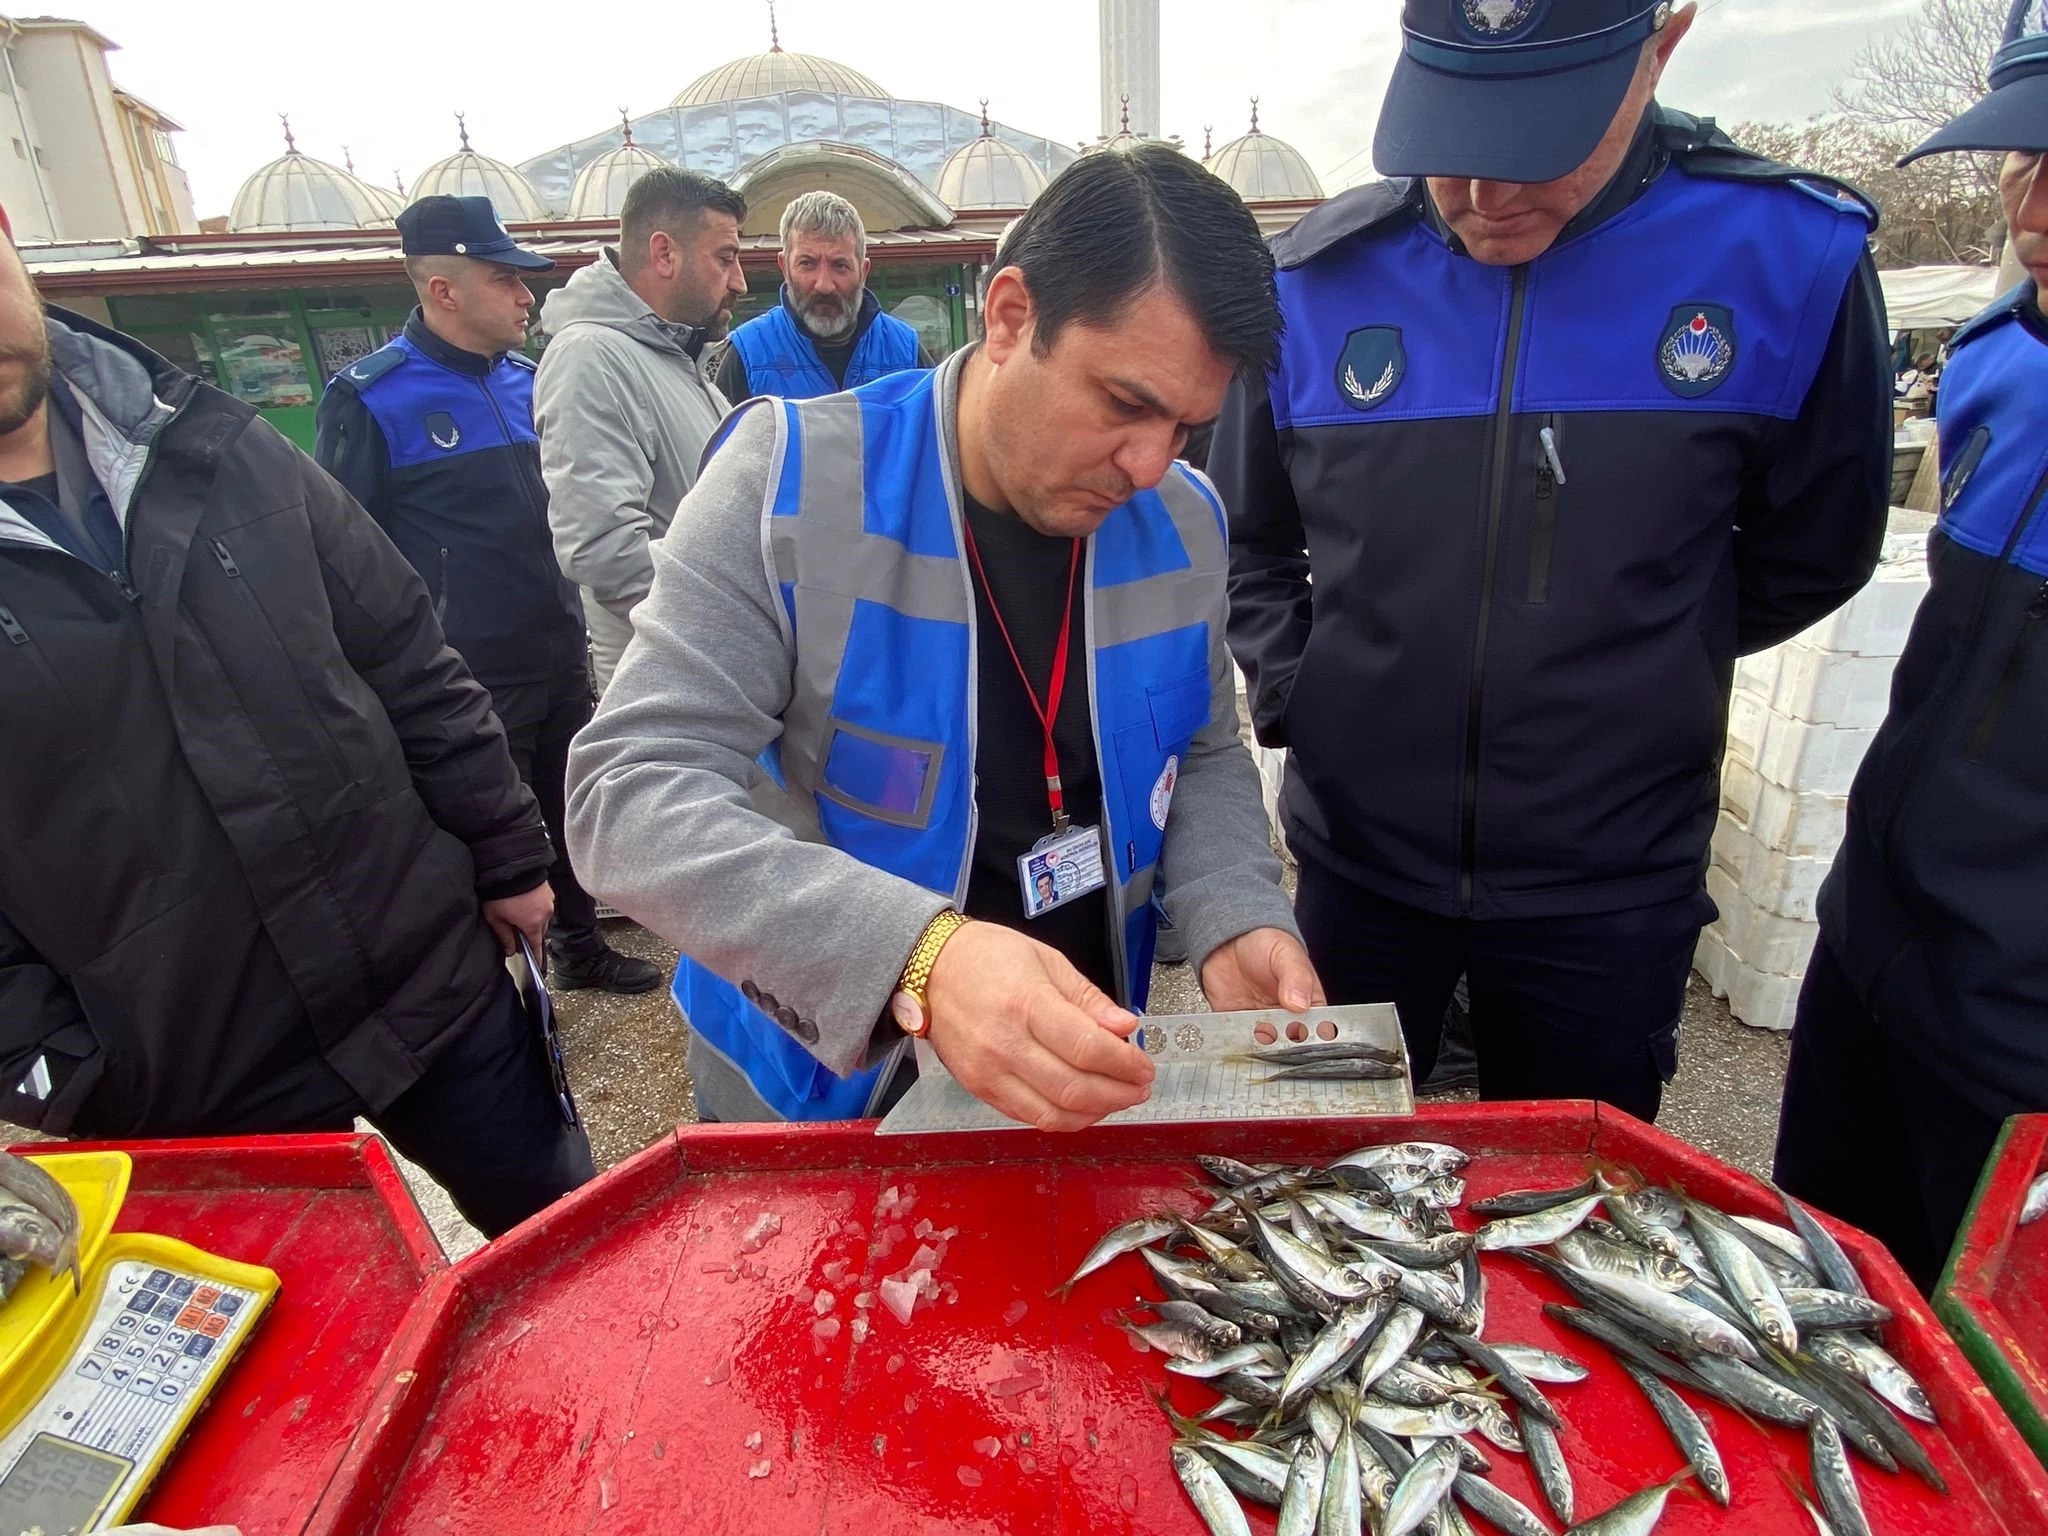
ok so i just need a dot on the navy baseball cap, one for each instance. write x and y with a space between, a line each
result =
1509 90
2015 114
462 226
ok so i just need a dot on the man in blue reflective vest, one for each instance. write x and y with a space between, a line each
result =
932 683
828 332
1577 407
1923 1022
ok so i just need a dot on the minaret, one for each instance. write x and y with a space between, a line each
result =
1130 66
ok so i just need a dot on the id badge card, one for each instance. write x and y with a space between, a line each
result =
1061 868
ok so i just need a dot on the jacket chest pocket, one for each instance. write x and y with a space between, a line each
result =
1149 757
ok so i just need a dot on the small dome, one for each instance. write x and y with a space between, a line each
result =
600 190
770 73
469 174
988 172
1263 169
388 200
296 192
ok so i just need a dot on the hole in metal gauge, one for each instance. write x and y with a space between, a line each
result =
1297 1031
1265 1034
1327 1030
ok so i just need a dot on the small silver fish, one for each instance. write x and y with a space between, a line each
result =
1688 1432
1342 1512
1834 1480
1457 1417
1119 1241
1175 1339
1636 1515
1421 1488
1539 1228
1301 1501
2035 1206
1501 1508
1239 1357
1874 1366
1210 1495
1345 1332
1546 1456
1743 1274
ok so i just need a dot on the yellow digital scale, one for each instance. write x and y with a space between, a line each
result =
97 1386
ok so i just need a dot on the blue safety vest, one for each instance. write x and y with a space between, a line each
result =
877 750
782 361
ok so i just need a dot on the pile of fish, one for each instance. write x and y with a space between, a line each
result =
1339 1313
38 1224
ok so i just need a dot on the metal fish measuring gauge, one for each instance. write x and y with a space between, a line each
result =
1337 1313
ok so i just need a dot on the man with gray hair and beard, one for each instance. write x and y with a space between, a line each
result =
828 333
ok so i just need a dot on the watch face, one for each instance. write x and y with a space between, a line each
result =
908 1013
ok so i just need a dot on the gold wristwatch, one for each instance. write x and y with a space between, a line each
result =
908 1007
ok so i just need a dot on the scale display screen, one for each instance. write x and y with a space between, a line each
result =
59 1487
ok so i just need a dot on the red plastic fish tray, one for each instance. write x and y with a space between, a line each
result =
333 1217
609 1367
1994 1295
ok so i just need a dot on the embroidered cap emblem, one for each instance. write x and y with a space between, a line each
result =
1697 350
442 431
1498 21
1372 366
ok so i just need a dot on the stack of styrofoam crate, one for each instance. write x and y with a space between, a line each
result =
1272 763
1800 720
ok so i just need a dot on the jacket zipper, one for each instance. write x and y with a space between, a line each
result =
1924 749
10 626
2008 680
1543 528
441 592
1503 425
535 502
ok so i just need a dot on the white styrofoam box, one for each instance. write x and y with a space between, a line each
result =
1733 848
1876 620
1806 826
1758 674
1741 786
1756 997
1783 884
1771 942
1812 759
1272 770
1749 718
1832 687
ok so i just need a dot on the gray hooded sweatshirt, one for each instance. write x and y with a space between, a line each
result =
624 413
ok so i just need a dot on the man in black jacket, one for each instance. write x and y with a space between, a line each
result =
1593 404
1923 1022
434 435
262 849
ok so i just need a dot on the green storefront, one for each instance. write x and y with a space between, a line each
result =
277 347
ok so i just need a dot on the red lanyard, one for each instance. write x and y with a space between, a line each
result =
1049 711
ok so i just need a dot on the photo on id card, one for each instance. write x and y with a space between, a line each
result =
1060 869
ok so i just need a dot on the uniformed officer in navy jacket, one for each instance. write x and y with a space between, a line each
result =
1579 405
433 434
1923 1022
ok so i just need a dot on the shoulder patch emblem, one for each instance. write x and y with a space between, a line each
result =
1500 21
442 431
1696 353
1372 366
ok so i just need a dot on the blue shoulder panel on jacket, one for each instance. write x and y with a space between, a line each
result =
903 487
1138 540
2006 306
1994 442
365 371
430 413
1349 212
521 360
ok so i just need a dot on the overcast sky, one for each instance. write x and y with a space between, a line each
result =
384 78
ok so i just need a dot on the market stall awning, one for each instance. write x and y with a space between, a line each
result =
1926 298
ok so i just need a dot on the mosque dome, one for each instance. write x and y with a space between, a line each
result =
989 172
295 192
600 190
469 174
770 73
1263 169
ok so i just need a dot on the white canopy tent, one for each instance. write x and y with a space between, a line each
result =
1928 298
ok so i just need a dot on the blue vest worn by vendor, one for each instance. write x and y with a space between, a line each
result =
878 742
1937 906
781 360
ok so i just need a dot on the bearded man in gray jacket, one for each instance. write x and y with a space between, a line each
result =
623 407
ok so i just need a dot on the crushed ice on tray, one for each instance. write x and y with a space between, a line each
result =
764 1228
762 1467
823 1302
900 1297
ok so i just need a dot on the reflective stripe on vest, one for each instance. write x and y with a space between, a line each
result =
782 360
862 540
